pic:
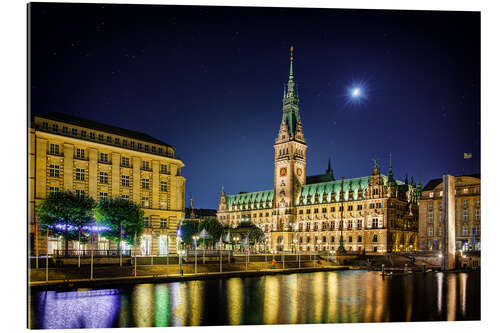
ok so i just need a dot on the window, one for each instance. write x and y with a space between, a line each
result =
360 224
315 210
108 139
333 239
54 149
55 127
54 170
103 158
45 125
74 132
145 202
146 147
65 130
117 141
132 144
379 205
440 205
465 203
323 210
124 143
375 238
92 135
103 177
301 212
80 174
372 205
375 223
103 196
440 193
145 183
80 153
267 214
160 150
153 149
350 239
163 186
83 133
478 201
163 223
125 196
375 191
80 193
431 195
125 180
126 162
163 168
466 190
341 208
308 211
139 145
332 209
53 189
349 224
478 214
100 137
147 222
465 215
360 239
349 208
465 230
145 165
431 205
430 231
360 207
430 217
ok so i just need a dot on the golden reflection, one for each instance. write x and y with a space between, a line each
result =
370 301
318 290
292 292
452 296
463 292
123 319
143 305
195 301
408 283
439 280
332 298
235 300
271 299
179 303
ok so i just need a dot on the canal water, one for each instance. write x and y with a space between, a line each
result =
321 297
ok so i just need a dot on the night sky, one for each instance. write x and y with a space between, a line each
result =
209 81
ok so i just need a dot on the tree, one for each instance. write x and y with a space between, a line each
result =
188 229
120 214
65 213
213 227
256 235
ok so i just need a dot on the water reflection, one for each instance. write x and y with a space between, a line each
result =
324 297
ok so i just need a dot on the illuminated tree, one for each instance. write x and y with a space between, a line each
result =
65 214
120 215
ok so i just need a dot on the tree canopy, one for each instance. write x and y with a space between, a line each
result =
65 213
116 212
188 229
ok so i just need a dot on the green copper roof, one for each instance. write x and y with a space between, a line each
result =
252 200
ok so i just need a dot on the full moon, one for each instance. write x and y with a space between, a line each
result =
356 92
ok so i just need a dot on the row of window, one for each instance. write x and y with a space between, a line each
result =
109 139
103 178
335 225
341 208
104 158
148 224
462 191
465 216
465 231
465 204
332 239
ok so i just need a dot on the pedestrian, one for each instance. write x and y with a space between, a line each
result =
273 263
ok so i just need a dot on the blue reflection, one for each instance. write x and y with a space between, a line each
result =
79 309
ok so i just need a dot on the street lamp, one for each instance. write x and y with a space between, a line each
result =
181 253
195 238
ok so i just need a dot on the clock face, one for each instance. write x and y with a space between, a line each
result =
283 172
299 172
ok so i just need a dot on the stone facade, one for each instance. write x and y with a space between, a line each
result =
375 213
467 214
69 153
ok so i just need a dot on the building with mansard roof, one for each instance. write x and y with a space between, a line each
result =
374 213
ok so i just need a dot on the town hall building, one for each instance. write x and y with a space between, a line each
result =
374 213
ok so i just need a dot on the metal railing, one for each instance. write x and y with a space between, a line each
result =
88 253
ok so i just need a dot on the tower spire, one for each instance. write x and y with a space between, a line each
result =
291 83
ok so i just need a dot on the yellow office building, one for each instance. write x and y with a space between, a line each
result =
71 153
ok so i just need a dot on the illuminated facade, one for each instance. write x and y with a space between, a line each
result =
467 214
375 213
71 153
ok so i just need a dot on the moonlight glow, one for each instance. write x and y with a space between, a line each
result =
356 93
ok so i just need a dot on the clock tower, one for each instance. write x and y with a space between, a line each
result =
289 165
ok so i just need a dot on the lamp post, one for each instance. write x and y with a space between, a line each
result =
195 238
180 252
